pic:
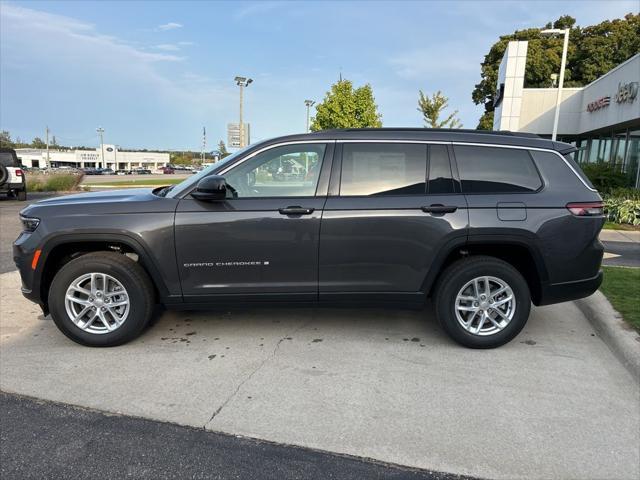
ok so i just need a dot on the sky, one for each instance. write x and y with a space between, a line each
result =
154 73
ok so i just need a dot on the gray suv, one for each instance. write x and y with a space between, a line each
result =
483 223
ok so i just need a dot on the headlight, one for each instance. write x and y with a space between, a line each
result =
29 224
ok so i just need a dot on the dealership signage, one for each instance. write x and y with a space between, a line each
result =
599 103
627 92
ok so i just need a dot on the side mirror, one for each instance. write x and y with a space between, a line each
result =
212 188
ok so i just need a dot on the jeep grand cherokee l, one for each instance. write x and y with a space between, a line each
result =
484 223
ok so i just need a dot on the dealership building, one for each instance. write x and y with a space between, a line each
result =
112 158
601 119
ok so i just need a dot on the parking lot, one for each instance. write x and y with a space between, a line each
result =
383 384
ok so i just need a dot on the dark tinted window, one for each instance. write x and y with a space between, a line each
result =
6 158
578 170
440 180
383 169
496 170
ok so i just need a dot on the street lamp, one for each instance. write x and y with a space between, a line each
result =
100 131
556 31
242 82
309 104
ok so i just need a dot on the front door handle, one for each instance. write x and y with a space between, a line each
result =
296 211
439 209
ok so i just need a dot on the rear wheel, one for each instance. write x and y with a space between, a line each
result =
482 302
101 299
22 195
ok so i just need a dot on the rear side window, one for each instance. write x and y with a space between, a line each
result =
383 169
6 159
577 169
496 170
440 180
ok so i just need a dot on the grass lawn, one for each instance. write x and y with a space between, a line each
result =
621 285
137 182
620 226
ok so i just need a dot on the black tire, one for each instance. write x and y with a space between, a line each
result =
4 174
132 277
22 195
465 270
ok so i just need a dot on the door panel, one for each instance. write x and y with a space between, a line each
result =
253 245
245 246
385 242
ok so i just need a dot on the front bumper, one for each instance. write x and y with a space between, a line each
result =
30 278
566 291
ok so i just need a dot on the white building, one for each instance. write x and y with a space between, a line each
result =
602 119
113 158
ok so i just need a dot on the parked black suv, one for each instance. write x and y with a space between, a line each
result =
484 223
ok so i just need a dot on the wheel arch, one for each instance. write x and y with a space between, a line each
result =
57 250
520 251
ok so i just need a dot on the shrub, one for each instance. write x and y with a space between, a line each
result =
622 210
54 182
605 177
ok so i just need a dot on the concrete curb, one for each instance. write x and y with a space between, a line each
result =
623 340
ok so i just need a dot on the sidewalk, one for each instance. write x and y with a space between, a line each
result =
620 236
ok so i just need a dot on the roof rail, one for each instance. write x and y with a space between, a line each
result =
447 130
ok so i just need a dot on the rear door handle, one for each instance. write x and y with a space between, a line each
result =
439 209
296 211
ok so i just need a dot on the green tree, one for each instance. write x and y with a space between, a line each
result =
38 143
346 107
432 107
5 139
593 51
222 150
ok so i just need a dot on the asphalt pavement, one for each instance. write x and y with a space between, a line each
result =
41 439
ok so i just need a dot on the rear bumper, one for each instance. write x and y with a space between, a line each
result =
564 292
5 187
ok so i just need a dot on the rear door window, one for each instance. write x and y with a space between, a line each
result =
383 169
496 170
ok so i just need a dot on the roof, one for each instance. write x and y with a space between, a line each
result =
430 134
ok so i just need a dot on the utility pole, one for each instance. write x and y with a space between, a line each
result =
309 104
204 145
563 63
242 82
48 164
100 131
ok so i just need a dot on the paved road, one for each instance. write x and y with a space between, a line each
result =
48 440
106 179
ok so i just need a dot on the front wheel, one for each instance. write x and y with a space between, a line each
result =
101 299
482 302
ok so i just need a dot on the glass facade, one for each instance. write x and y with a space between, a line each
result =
619 148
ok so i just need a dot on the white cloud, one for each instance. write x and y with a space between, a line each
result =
169 26
61 45
168 47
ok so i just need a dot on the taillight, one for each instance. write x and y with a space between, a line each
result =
18 172
586 209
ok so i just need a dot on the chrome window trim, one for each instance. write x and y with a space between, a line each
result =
427 142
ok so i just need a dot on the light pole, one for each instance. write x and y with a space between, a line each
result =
309 104
242 82
100 131
565 47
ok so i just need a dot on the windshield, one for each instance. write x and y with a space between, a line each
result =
193 179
